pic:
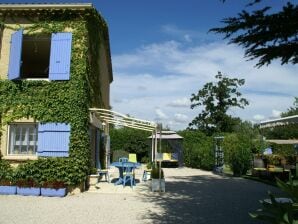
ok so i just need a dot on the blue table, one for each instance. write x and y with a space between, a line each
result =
119 165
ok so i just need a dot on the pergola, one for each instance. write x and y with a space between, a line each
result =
106 116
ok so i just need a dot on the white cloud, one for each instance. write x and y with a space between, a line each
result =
164 75
183 102
187 38
186 35
180 118
276 113
258 117
160 114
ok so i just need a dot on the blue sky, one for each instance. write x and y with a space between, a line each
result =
162 53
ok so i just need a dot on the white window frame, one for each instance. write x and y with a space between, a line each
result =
11 142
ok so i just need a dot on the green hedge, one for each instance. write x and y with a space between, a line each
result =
131 141
119 154
197 149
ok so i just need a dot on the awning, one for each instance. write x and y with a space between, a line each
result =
283 142
280 121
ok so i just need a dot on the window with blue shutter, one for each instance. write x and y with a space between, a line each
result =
60 56
53 139
14 66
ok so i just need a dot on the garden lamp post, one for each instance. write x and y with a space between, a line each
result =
296 165
218 154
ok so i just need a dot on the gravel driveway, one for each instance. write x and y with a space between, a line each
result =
192 196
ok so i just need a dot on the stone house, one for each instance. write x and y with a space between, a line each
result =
55 64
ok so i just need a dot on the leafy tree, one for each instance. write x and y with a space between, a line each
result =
217 98
292 110
263 35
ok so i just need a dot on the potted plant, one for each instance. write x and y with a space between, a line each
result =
147 171
93 178
53 188
157 180
28 187
6 178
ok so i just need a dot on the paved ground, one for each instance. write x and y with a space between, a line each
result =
192 196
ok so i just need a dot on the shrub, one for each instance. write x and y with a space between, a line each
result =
155 173
197 149
55 184
42 170
145 159
118 154
237 153
6 173
283 150
27 183
275 211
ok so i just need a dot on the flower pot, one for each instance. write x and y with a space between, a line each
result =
51 192
8 189
158 185
27 191
93 180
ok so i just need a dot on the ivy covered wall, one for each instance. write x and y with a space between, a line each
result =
62 101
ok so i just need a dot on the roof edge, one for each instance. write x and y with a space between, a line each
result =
46 6
279 119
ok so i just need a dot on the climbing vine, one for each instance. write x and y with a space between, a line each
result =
63 101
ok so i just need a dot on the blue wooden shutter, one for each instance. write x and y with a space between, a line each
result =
60 56
53 139
15 55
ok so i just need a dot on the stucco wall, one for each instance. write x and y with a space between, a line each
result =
4 56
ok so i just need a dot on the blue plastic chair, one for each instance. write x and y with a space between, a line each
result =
123 159
128 173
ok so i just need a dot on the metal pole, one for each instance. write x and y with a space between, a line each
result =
152 146
160 136
155 147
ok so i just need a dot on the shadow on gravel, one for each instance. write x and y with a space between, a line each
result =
207 199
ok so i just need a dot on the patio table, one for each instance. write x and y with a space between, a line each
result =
119 165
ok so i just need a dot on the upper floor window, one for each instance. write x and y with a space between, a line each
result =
35 57
40 56
23 139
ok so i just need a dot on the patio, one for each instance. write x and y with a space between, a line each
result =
192 196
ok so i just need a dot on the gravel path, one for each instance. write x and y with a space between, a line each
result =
192 196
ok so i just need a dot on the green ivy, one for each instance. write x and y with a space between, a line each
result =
61 101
